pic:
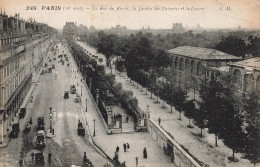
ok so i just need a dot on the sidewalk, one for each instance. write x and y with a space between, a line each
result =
202 148
108 143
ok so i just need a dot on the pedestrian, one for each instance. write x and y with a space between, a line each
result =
53 131
172 157
159 120
145 153
128 146
31 120
127 119
32 154
85 158
136 160
21 162
116 157
124 147
117 149
49 158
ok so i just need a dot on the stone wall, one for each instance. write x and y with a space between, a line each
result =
170 147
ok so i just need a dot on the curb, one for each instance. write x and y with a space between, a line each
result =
97 147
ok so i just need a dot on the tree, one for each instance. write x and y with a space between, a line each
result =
253 46
200 119
252 108
189 109
233 45
179 100
106 46
232 123
210 94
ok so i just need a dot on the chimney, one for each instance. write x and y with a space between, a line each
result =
22 26
16 23
11 24
1 21
5 22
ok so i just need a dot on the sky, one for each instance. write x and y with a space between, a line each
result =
106 14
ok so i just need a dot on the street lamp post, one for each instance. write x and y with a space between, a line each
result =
97 95
90 83
148 112
94 128
86 105
50 119
157 93
81 90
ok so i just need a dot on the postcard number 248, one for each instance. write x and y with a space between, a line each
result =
30 8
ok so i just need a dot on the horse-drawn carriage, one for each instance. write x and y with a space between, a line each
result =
27 128
81 129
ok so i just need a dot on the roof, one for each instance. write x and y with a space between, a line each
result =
202 53
253 63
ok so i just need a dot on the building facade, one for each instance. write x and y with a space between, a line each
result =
247 75
70 30
194 64
23 44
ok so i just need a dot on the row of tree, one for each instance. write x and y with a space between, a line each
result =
110 92
237 43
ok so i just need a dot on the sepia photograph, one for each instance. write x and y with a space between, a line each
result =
120 83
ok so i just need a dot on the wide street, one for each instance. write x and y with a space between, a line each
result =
66 147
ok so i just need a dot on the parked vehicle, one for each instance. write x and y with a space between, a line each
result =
40 125
66 94
81 129
72 89
22 113
15 131
40 139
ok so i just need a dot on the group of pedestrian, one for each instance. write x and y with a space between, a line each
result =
126 147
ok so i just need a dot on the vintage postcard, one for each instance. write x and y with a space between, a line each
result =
140 83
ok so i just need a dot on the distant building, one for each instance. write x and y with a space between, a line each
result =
81 30
177 28
70 30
